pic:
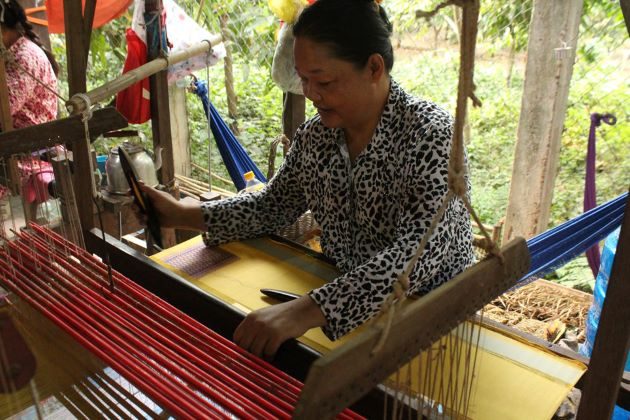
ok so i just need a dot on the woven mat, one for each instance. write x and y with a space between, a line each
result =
200 260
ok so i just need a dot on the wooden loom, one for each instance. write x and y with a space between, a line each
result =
484 281
308 405
417 326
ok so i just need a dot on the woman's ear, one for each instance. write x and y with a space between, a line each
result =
376 66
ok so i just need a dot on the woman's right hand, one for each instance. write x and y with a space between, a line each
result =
184 214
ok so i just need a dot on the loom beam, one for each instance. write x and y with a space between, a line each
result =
340 377
76 104
66 130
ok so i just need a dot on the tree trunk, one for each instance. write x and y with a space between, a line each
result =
229 76
543 109
179 130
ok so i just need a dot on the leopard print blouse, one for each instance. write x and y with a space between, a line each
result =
373 212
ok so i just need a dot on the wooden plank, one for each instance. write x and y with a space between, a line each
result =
63 185
340 377
66 130
6 122
160 112
88 19
77 55
228 71
293 111
543 110
612 341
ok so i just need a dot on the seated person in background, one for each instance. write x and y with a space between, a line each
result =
31 73
372 168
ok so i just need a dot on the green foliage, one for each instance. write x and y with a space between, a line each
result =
506 22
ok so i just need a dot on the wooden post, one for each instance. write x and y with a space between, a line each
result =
179 130
547 78
613 336
68 203
6 122
78 30
160 110
293 110
6 125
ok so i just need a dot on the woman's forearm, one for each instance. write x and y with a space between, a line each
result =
190 215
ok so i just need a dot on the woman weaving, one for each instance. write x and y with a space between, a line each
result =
31 74
371 167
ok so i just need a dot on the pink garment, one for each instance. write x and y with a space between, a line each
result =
4 192
30 104
29 101
36 175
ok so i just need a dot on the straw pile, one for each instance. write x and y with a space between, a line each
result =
541 308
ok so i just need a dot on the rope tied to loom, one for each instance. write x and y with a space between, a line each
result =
457 170
86 114
457 181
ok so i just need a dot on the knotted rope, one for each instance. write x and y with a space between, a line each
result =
457 170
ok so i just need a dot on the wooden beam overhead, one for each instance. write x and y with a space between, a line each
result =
65 130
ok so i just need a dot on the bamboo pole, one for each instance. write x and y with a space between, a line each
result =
199 187
207 172
77 103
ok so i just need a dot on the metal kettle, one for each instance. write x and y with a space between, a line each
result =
141 161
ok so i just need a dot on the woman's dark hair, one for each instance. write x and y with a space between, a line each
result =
352 29
14 17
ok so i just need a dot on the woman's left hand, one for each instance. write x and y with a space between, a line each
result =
264 330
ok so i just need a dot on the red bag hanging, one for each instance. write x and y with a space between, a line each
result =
134 102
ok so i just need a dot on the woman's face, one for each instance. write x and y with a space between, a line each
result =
340 92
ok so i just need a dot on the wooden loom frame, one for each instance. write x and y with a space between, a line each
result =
363 345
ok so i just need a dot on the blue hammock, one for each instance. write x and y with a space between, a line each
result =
557 246
234 155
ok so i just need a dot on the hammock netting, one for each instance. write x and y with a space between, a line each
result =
555 247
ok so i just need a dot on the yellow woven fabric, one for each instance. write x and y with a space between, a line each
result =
516 379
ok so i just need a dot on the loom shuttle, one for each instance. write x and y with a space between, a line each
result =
281 295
